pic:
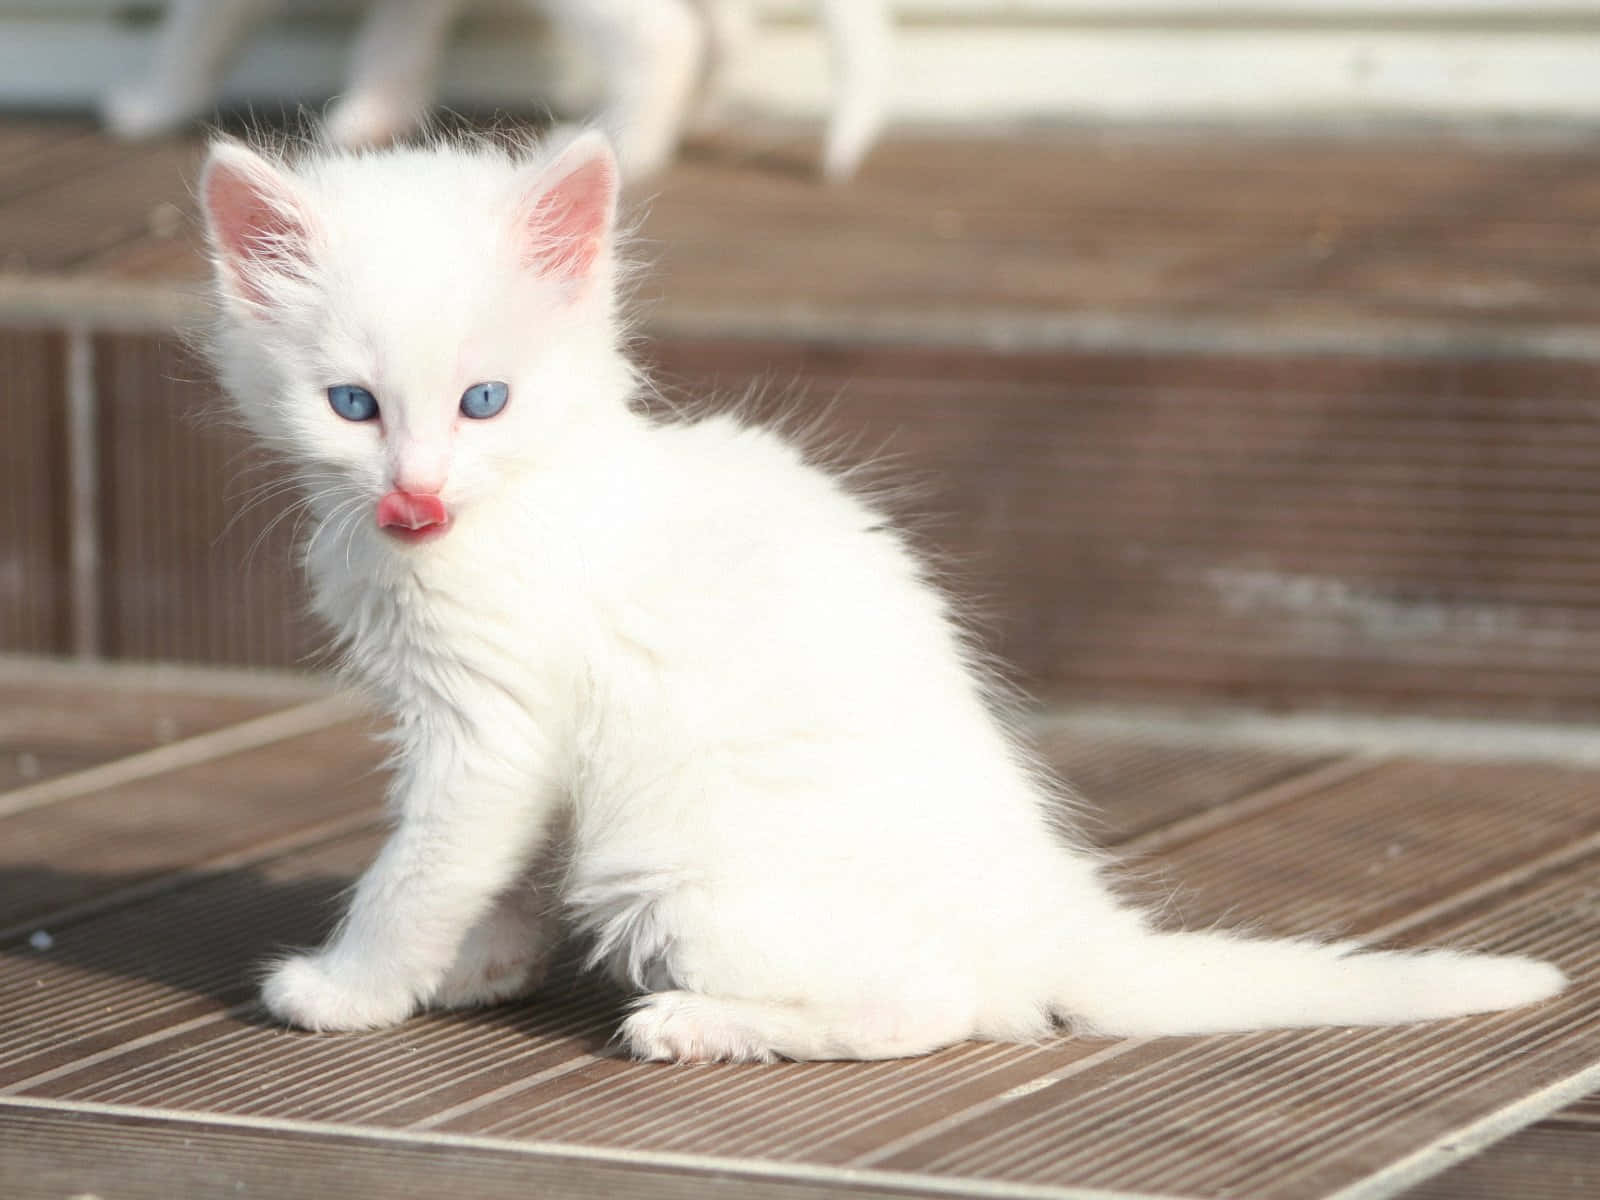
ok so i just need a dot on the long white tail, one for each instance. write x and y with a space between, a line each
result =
1186 983
859 35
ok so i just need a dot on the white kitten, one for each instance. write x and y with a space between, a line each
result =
797 827
662 63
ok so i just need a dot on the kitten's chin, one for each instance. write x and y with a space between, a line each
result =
413 537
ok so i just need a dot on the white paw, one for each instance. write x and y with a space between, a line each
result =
849 138
304 991
360 121
645 154
136 113
684 1027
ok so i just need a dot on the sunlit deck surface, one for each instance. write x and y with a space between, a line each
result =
162 833
1273 421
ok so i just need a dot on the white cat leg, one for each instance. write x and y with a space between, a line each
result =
465 836
193 51
506 954
392 72
649 53
859 43
729 26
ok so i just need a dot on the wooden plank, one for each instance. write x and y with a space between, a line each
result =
111 198
153 969
116 837
49 1152
1133 786
34 604
199 533
115 717
58 718
41 153
1278 231
1548 1162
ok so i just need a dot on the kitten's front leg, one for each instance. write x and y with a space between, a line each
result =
464 838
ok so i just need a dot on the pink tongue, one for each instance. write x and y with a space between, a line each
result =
411 510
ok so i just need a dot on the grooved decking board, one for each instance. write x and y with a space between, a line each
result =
1381 847
1293 1114
1549 1162
1300 1113
150 968
1130 786
46 1154
35 608
200 538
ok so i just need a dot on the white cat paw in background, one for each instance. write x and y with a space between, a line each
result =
143 110
361 120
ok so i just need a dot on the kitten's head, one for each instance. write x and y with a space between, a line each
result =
412 327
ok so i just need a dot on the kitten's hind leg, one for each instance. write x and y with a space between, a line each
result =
505 955
681 1026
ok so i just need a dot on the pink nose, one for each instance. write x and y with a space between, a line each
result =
411 510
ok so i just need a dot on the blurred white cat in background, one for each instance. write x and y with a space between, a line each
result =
663 64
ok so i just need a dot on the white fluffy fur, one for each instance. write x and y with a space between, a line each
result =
663 65
797 827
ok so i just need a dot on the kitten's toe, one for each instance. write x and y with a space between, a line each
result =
684 1027
305 992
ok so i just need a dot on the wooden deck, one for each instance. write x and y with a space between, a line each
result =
162 832
1282 421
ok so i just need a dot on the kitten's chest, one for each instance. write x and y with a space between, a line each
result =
425 637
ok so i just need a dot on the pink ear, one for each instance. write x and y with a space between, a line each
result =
568 215
257 223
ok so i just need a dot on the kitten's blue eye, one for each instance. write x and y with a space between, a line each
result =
353 403
483 400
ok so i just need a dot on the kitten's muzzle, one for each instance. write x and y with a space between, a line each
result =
412 516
